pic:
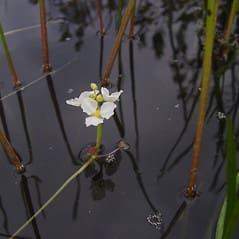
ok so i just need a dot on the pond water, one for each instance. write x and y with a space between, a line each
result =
139 195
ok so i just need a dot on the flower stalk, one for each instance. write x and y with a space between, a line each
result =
91 159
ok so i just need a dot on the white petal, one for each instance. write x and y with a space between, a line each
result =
77 101
111 98
92 120
74 101
107 109
89 106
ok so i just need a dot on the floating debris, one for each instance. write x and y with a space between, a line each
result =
221 115
156 220
123 145
110 158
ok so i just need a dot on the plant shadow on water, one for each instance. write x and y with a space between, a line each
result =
138 192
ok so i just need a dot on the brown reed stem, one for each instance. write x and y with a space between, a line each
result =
128 13
11 153
45 52
99 11
15 80
212 8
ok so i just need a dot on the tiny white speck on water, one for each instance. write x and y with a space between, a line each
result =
221 115
157 108
176 106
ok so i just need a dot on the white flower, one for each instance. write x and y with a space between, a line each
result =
97 106
77 101
111 98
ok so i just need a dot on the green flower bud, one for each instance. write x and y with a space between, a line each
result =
93 96
99 98
93 86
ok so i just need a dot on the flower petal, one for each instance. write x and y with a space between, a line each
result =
89 106
74 101
92 120
107 109
110 98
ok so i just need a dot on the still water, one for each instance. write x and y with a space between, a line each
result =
139 195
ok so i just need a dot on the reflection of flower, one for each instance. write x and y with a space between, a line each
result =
98 106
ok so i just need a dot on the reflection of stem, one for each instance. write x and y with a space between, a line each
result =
131 58
16 82
128 13
207 62
176 217
24 122
28 204
4 215
140 181
58 115
11 153
45 53
101 56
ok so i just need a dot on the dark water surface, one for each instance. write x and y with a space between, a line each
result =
160 74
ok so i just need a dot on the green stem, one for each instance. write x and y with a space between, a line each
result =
65 184
16 82
98 137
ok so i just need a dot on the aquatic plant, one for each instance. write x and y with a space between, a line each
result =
98 106
212 7
45 51
229 214
11 66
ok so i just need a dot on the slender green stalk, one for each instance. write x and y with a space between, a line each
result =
16 82
65 184
229 214
98 138
212 8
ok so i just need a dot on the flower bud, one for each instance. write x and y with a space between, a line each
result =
93 86
93 96
99 98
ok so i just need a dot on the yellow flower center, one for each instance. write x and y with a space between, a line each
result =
97 114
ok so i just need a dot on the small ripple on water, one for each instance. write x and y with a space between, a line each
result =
156 220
